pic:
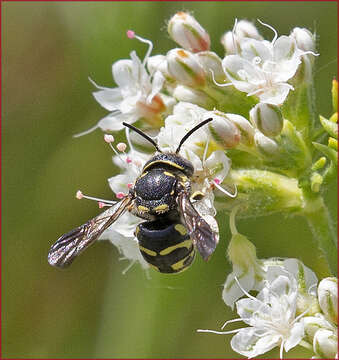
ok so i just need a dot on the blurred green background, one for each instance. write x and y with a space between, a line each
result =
92 310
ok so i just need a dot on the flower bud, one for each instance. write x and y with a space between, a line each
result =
245 128
325 344
211 62
265 145
244 29
328 298
184 67
304 38
241 251
313 323
223 131
330 126
267 118
335 95
184 93
188 33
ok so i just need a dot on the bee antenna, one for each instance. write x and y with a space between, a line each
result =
191 132
143 135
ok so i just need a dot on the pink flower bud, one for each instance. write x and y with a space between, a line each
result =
188 33
224 131
185 68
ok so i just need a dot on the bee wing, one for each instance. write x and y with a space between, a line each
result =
203 237
71 244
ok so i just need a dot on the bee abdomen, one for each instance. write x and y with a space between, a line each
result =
165 245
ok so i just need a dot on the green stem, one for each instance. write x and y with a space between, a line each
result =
321 225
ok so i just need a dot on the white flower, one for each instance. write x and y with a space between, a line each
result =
271 317
137 94
262 68
242 29
252 272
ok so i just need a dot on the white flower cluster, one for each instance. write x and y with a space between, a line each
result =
287 311
243 93
148 90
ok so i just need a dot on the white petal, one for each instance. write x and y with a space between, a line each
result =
246 309
305 277
118 183
157 83
123 73
113 122
275 95
242 73
218 164
252 48
232 291
250 345
139 73
284 48
108 98
296 335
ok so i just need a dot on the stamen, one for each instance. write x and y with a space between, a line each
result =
128 160
225 191
234 320
120 195
128 138
131 35
233 36
102 204
79 195
96 85
219 332
86 131
244 291
128 267
122 147
219 84
309 52
282 349
270 27
205 151
108 138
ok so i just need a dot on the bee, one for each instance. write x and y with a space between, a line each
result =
161 195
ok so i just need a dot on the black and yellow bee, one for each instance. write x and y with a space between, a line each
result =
162 196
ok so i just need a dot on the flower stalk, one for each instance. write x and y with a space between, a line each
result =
321 224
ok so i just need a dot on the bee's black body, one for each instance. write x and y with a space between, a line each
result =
160 195
165 245
164 242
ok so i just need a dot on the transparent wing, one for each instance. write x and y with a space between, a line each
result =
70 245
203 237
